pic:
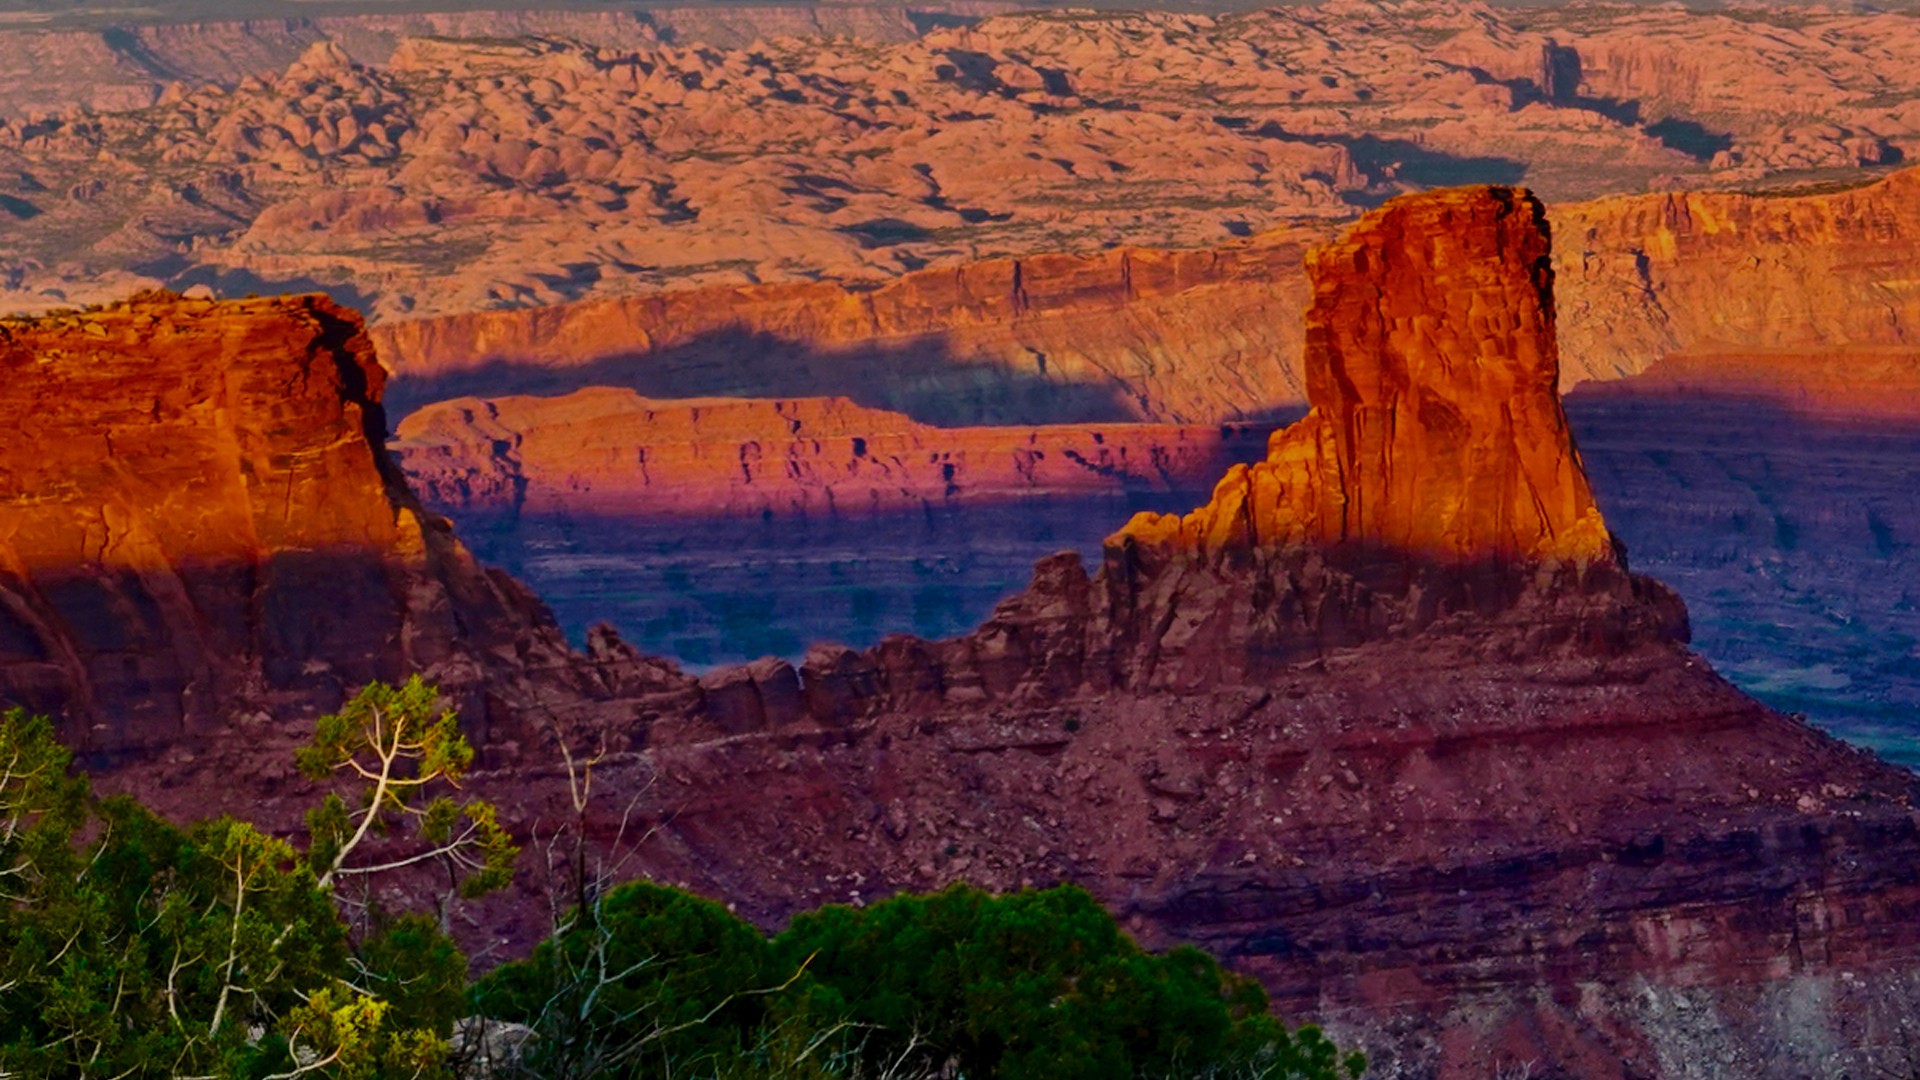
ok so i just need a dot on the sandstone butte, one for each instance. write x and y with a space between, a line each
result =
1456 789
1200 336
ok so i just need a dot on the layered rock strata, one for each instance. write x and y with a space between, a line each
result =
1129 334
1647 275
609 453
199 525
1198 336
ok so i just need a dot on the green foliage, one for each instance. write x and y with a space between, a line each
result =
40 805
1034 986
1038 984
345 1035
398 743
132 947
161 951
412 965
643 981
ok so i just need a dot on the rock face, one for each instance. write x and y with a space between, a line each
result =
198 524
1129 334
1194 336
1650 275
611 453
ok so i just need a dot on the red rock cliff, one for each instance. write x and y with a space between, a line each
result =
199 524
1643 276
1456 791
613 453
1168 336
1436 428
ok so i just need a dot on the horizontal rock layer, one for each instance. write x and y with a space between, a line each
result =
1643 276
1192 336
610 453
1172 336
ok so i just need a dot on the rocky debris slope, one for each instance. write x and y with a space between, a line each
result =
1133 333
1864 386
518 160
199 526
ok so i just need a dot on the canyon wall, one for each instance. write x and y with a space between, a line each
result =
1167 336
612 453
1643 276
1193 337
1387 723
199 527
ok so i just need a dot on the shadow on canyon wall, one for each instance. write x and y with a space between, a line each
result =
920 377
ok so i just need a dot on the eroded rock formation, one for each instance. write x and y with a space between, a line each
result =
1387 724
1129 334
1644 276
199 525
610 453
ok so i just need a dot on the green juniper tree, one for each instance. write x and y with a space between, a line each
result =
132 947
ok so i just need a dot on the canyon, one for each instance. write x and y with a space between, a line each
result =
1194 336
1386 722
418 165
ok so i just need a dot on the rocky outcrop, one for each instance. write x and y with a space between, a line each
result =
199 526
1434 479
1128 334
1645 276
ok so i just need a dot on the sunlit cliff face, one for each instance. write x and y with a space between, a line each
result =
1436 429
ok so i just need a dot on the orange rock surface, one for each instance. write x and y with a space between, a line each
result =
1194 336
199 526
1862 384
452 163
1141 334
1436 429
614 454
1649 275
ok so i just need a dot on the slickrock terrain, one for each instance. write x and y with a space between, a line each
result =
1459 791
418 165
